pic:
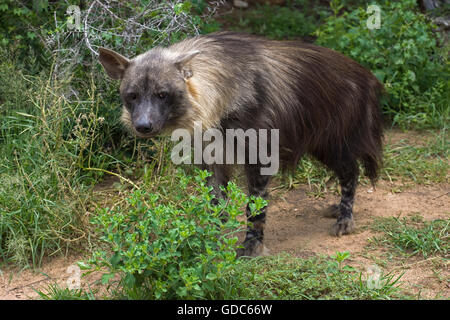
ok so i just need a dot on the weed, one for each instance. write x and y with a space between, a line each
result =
410 237
285 277
56 292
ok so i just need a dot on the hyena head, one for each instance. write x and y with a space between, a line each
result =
152 87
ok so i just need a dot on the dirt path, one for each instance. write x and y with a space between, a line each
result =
295 224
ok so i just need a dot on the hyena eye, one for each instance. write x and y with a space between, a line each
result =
162 95
132 96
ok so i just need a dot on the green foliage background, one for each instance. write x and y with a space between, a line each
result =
405 53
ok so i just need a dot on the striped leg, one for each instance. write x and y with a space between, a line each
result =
348 179
257 185
219 178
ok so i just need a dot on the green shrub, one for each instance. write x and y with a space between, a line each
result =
24 25
172 248
404 54
290 22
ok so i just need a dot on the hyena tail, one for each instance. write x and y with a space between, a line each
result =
372 155
371 166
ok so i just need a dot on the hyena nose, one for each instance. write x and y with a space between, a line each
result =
143 127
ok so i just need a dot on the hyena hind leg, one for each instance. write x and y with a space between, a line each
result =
348 179
253 244
332 211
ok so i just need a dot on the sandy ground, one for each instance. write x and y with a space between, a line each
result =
295 224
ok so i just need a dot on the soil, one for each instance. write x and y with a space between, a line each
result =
296 225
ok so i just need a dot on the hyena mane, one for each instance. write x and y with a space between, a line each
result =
322 102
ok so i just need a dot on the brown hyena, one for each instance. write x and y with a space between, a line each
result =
322 102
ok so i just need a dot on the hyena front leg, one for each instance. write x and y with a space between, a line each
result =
219 178
257 186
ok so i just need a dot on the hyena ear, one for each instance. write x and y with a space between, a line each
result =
182 64
114 63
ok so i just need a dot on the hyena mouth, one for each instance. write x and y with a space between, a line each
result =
145 135
148 131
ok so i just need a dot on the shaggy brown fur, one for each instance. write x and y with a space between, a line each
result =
323 103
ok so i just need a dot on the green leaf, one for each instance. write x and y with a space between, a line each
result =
107 277
83 265
211 276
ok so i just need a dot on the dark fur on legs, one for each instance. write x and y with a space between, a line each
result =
219 178
257 186
347 171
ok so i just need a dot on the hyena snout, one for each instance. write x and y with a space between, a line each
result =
143 125
148 121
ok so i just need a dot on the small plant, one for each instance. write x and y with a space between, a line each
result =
56 292
411 237
174 250
285 277
341 257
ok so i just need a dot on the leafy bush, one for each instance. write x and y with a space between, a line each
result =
290 22
404 54
24 25
178 249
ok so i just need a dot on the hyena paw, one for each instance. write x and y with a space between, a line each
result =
344 225
252 248
332 211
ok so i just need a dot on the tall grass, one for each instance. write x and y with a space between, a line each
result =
46 142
